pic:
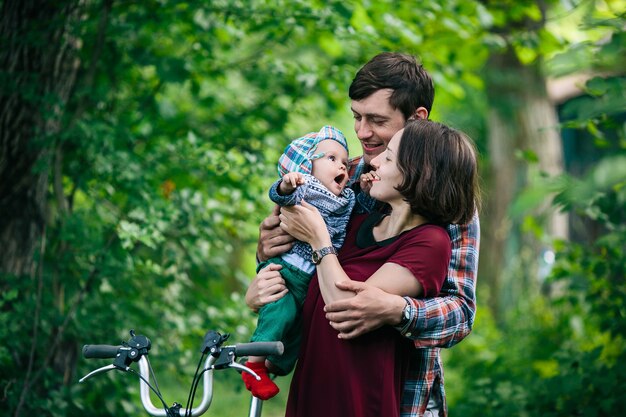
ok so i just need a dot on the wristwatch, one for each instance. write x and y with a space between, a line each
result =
317 255
406 314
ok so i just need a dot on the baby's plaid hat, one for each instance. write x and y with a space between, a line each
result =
300 152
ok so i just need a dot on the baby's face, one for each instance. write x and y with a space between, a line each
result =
332 168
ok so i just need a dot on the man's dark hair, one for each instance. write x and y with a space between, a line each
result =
440 171
412 86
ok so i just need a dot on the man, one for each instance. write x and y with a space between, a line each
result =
388 91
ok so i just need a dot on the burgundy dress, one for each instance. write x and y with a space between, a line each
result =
363 376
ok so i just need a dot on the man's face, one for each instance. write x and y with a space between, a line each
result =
375 122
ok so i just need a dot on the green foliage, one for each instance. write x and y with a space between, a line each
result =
168 144
562 353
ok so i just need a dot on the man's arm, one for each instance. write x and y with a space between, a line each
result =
440 321
368 310
445 320
268 285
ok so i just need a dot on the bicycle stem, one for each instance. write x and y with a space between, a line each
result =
207 391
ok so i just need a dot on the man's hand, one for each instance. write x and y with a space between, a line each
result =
268 286
273 241
368 310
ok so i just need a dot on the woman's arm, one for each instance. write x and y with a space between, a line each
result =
441 321
391 278
306 224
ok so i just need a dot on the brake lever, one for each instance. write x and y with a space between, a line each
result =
225 358
244 369
99 371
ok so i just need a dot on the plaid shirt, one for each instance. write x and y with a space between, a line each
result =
438 322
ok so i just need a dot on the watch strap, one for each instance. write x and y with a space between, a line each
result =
317 255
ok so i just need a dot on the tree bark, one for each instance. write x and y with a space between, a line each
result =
38 69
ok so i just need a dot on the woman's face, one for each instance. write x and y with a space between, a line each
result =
387 172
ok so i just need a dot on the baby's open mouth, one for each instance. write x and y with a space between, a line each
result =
339 179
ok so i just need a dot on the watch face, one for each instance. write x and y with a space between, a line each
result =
316 258
406 313
317 255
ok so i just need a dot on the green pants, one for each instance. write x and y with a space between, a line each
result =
281 320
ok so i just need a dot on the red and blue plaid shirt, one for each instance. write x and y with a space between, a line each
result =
442 321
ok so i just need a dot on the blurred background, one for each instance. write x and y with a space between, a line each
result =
138 140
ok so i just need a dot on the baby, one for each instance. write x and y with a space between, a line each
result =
314 168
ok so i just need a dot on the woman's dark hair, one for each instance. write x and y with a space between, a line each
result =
440 171
412 86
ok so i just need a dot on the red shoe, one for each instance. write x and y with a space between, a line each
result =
263 389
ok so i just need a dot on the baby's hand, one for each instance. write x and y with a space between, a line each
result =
365 181
290 182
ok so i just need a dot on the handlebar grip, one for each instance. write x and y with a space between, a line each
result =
100 351
259 348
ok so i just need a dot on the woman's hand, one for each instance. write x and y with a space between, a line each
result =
266 287
305 223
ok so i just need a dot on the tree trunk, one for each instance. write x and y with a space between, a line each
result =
38 68
521 117
539 123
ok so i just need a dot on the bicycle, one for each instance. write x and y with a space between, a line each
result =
219 357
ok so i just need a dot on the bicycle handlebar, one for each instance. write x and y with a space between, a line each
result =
100 351
259 349
241 349
219 357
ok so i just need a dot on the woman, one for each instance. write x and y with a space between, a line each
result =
428 178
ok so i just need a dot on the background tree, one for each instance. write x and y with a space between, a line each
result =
38 58
521 121
556 348
39 72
